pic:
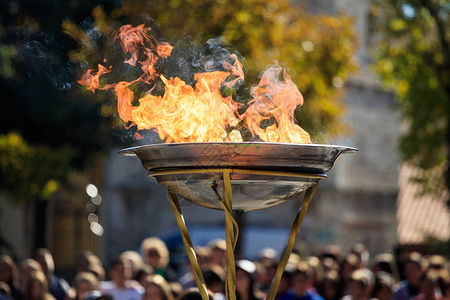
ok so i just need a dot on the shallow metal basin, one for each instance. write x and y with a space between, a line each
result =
267 174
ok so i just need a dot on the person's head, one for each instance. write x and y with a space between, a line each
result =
27 267
135 260
203 256
385 262
360 250
89 262
428 283
37 286
214 278
299 281
218 252
155 252
267 256
245 272
285 281
330 287
8 271
331 251
349 265
361 284
412 268
330 264
45 258
120 270
316 268
193 294
437 262
83 283
384 283
156 288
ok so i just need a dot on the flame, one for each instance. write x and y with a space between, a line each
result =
199 113
92 81
276 98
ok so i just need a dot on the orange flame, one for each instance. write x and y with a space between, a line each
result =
200 113
92 81
277 99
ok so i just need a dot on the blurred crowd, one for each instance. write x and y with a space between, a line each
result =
147 275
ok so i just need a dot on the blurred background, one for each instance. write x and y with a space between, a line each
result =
375 75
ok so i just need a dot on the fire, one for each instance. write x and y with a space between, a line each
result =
199 113
276 98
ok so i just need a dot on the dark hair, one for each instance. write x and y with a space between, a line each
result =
193 294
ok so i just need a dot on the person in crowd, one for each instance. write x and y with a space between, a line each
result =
245 281
329 264
316 271
27 267
214 277
137 264
361 252
384 282
429 286
385 262
82 283
360 285
9 274
57 286
348 266
121 286
437 262
193 294
143 273
267 256
299 284
410 287
333 252
155 253
203 255
176 289
218 254
270 269
37 288
330 288
5 292
285 284
157 288
89 262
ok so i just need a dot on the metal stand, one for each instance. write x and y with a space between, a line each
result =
231 227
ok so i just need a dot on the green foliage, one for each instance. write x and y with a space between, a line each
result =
32 172
413 59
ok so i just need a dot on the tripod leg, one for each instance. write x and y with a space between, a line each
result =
290 244
188 246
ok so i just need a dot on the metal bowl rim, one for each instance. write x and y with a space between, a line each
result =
131 150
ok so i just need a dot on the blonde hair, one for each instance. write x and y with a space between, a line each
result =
85 277
160 283
154 243
40 277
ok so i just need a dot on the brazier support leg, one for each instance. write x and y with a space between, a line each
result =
290 244
188 246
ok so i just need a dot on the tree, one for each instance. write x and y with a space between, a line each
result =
31 172
413 59
47 127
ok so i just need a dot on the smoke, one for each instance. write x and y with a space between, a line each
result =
188 58
41 57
